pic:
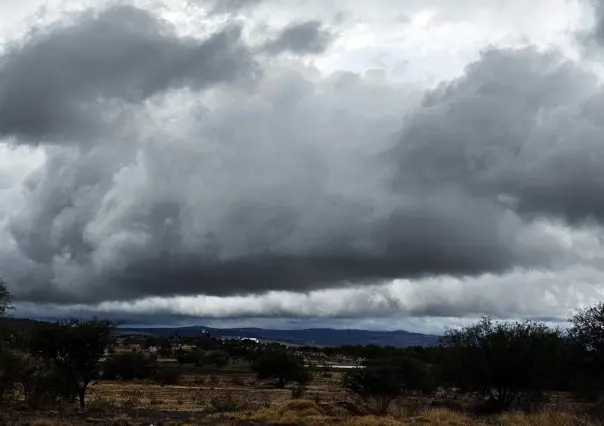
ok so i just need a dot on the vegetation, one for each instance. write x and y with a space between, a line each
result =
129 366
383 380
485 373
502 361
281 367
72 349
5 298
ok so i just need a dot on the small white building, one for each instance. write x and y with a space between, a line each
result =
243 339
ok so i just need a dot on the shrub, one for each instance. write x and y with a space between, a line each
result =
217 359
281 367
298 391
133 400
501 360
73 349
167 376
130 366
226 404
384 380
238 381
10 365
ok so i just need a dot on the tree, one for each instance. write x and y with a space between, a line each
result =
217 359
282 367
383 380
5 298
586 336
502 360
165 375
150 341
9 371
587 328
129 366
72 348
9 361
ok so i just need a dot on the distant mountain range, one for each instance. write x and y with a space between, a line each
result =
306 337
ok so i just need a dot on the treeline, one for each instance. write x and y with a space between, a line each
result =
504 364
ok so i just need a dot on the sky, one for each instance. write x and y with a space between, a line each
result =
382 165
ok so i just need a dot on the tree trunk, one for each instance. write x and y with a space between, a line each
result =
82 397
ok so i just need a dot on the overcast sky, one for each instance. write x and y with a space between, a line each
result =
386 164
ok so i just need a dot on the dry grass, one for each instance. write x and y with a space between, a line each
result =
122 420
306 412
237 399
48 422
554 418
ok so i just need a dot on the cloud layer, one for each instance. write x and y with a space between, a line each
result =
218 175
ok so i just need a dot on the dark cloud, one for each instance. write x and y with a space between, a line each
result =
520 125
51 82
220 209
300 184
301 38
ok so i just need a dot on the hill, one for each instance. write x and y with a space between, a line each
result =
305 337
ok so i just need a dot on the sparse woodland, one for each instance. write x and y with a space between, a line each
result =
491 373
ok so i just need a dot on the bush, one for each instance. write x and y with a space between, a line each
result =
226 404
217 359
298 391
10 365
281 367
130 366
73 349
133 400
502 360
167 376
384 380
238 381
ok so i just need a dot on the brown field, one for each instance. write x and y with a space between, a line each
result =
233 397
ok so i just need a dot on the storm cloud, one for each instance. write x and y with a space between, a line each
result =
51 82
198 176
301 38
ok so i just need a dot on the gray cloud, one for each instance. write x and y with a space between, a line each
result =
216 209
298 183
595 35
51 82
520 125
301 38
229 6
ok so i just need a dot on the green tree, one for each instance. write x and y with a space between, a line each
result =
586 337
281 367
129 366
216 359
165 375
384 380
5 298
9 360
9 371
501 360
72 349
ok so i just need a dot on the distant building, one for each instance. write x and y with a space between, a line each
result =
249 339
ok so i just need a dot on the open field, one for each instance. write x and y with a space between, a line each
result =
234 397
